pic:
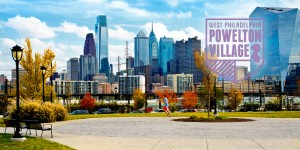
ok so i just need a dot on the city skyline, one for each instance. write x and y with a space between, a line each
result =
64 25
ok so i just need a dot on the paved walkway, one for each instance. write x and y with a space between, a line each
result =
162 133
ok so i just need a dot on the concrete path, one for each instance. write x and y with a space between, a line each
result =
162 133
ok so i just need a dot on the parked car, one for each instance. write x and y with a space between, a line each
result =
77 112
103 111
187 110
137 111
158 111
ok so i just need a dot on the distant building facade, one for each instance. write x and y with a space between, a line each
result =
166 53
127 85
88 67
183 61
89 45
76 87
73 69
180 83
141 50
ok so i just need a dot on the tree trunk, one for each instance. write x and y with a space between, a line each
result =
208 110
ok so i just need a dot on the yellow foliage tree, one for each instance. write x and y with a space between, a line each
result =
190 99
31 83
234 98
208 76
139 98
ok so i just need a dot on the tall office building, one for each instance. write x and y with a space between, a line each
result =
166 53
73 69
88 67
281 44
101 37
153 51
141 50
183 61
89 45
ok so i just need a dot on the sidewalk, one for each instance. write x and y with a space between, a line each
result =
161 133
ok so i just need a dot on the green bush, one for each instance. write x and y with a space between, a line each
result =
42 112
113 106
250 107
274 107
60 112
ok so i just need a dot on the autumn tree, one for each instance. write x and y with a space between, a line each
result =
171 96
208 76
234 98
190 99
31 82
88 102
68 94
139 98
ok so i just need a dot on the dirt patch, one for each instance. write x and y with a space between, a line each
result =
213 120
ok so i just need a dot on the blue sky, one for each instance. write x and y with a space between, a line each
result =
63 25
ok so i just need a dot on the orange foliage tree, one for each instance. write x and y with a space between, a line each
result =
171 96
190 99
88 101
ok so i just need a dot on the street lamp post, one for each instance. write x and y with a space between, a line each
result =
43 69
51 78
6 87
235 100
17 53
116 89
215 89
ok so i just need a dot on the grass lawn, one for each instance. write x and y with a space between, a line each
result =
279 114
31 143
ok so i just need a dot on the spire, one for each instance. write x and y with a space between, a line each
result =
152 27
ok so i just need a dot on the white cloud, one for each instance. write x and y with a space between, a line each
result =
7 42
69 27
35 28
118 33
180 14
62 52
161 30
174 3
130 10
30 27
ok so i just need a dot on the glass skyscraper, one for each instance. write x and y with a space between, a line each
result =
88 67
141 50
183 61
166 53
102 45
153 51
281 42
73 69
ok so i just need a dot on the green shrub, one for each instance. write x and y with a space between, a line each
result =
272 106
250 107
193 117
46 112
60 112
113 106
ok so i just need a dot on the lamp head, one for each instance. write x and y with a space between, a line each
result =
17 53
43 69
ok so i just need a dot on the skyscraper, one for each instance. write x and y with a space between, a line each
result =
153 51
73 69
89 45
141 50
166 53
183 61
88 67
281 43
102 45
